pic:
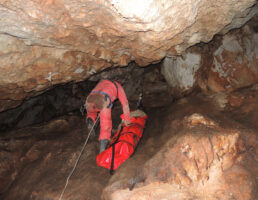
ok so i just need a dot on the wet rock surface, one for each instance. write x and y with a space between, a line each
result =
193 149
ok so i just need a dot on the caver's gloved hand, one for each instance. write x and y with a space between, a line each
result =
126 123
90 124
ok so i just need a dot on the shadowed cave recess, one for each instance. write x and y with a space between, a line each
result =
195 65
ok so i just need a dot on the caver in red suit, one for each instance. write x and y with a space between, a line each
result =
101 100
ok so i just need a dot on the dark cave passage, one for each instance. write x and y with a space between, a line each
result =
68 98
199 89
40 157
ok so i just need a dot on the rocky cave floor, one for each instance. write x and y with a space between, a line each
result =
199 147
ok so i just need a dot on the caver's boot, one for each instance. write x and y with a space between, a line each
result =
103 145
90 124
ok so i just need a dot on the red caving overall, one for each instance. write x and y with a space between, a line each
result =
114 92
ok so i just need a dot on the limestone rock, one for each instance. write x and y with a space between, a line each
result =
44 43
235 61
180 73
210 163
8 170
189 150
225 64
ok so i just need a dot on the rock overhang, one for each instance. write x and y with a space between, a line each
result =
52 42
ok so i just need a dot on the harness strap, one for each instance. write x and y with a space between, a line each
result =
137 124
125 134
106 97
113 159
113 153
115 85
116 140
133 145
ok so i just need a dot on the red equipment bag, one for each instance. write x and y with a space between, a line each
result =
123 144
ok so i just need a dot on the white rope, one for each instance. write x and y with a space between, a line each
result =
83 147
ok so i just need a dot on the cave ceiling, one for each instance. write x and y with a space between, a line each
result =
44 43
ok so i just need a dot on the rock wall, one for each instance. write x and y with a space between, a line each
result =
57 41
180 73
200 147
68 98
197 167
235 60
227 63
203 161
